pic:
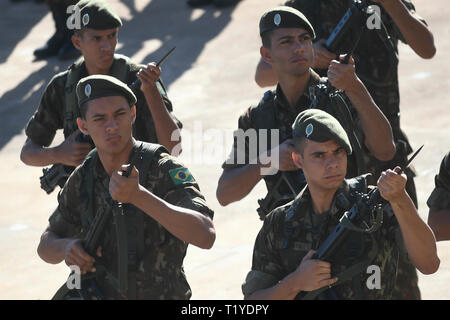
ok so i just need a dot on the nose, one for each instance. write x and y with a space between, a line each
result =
105 45
111 125
299 46
332 162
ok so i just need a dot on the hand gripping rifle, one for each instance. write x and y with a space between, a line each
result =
362 211
89 288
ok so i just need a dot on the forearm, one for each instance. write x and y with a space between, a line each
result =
419 239
283 290
416 33
185 224
164 123
377 130
52 249
35 155
439 222
235 184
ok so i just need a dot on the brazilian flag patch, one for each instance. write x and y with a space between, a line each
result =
181 175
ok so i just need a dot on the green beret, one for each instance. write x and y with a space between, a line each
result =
320 126
97 14
284 17
98 86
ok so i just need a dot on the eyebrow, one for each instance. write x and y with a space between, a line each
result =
100 115
318 153
291 37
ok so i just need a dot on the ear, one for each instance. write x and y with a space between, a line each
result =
133 114
76 40
266 54
82 126
297 159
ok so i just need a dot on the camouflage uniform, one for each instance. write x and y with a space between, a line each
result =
284 116
159 272
290 231
51 113
376 66
440 197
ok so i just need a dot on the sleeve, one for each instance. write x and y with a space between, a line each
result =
440 196
48 118
66 219
239 155
176 185
266 266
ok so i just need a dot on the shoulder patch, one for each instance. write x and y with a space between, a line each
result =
181 175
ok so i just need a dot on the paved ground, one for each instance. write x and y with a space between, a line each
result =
210 80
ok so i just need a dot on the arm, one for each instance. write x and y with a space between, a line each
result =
54 249
69 152
416 33
377 130
236 183
164 124
439 222
264 75
185 224
419 239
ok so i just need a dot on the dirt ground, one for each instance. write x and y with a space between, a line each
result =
210 82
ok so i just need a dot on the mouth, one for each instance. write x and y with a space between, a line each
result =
299 59
113 138
334 177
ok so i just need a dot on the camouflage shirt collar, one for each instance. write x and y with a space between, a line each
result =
305 197
304 100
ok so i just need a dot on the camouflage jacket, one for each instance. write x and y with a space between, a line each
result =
290 231
440 197
159 271
51 113
282 116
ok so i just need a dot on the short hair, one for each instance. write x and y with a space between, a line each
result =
299 144
84 107
266 38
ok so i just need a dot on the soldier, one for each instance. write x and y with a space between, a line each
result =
163 207
283 264
287 45
439 202
58 109
60 44
376 57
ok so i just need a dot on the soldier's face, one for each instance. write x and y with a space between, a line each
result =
109 122
291 51
97 46
324 164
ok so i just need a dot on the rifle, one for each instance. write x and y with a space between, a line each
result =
89 288
58 174
353 17
294 180
365 206
137 83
